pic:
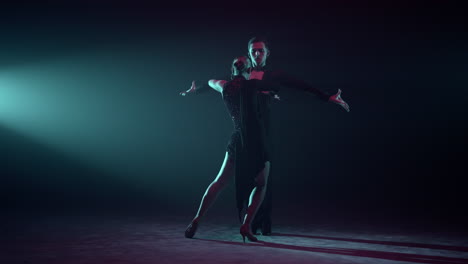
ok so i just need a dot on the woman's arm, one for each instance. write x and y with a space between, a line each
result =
218 85
196 89
192 90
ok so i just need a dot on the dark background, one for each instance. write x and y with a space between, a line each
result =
91 120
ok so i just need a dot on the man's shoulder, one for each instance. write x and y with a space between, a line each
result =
275 73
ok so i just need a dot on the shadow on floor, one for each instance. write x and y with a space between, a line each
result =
416 258
387 243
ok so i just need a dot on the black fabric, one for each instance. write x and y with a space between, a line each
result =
263 219
271 81
249 146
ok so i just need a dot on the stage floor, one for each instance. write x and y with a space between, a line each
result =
160 239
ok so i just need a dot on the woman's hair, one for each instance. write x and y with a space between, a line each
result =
240 65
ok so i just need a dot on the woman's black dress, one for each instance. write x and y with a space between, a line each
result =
249 141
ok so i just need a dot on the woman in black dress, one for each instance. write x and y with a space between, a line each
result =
247 153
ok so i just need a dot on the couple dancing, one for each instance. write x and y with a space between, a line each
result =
248 96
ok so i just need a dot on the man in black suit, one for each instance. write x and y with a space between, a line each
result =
258 52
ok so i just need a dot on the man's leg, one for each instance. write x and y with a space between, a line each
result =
256 199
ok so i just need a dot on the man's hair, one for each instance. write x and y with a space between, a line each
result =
258 39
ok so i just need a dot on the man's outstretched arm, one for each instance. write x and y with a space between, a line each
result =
336 98
291 82
287 80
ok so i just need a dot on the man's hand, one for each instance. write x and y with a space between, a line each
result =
337 100
191 90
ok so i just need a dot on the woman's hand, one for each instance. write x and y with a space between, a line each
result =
191 90
337 100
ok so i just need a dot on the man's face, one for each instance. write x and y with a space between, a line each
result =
258 53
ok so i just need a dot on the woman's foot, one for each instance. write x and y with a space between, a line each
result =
245 232
191 229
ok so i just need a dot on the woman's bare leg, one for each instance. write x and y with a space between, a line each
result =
214 189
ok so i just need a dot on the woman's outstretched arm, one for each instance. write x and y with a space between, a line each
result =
218 85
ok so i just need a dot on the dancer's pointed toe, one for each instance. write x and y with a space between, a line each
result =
191 229
245 232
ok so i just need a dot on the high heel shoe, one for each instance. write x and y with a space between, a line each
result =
245 232
191 229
